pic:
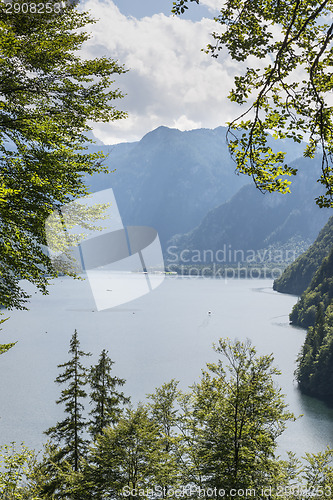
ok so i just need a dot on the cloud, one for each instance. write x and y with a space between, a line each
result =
213 5
171 80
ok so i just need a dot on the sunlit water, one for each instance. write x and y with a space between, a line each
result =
165 334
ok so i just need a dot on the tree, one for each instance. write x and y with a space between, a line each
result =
17 474
48 98
318 474
54 477
239 414
164 407
104 397
126 458
286 83
5 347
70 431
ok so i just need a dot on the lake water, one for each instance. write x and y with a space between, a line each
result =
165 334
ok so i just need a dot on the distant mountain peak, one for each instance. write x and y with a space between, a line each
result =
91 136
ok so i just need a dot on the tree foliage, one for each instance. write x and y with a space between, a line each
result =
164 406
298 275
320 291
17 474
314 311
240 414
105 397
48 97
315 363
221 436
70 432
286 84
126 458
5 347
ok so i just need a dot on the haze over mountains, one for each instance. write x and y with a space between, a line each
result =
184 183
251 220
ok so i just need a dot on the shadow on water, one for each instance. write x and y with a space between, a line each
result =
316 408
319 419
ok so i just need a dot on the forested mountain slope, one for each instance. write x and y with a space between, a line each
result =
297 277
320 292
314 311
315 365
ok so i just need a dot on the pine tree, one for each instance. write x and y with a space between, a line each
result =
104 396
69 432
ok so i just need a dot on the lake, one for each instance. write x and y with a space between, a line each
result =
162 335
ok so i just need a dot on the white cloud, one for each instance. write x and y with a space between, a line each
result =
213 5
171 81
184 123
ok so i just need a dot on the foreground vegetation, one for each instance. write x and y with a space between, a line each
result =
217 440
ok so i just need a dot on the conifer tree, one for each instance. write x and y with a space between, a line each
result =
104 397
70 432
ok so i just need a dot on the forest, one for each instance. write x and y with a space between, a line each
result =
310 276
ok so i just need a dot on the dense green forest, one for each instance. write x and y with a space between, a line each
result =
315 311
319 293
312 276
297 277
219 440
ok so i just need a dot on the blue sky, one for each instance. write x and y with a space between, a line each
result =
170 81
143 8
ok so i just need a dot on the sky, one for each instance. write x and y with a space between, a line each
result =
170 81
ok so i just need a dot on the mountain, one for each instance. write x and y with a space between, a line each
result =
171 179
297 277
315 311
320 291
312 276
250 221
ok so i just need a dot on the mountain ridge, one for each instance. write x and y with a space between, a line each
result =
251 220
171 179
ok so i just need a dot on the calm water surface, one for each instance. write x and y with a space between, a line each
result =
165 334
